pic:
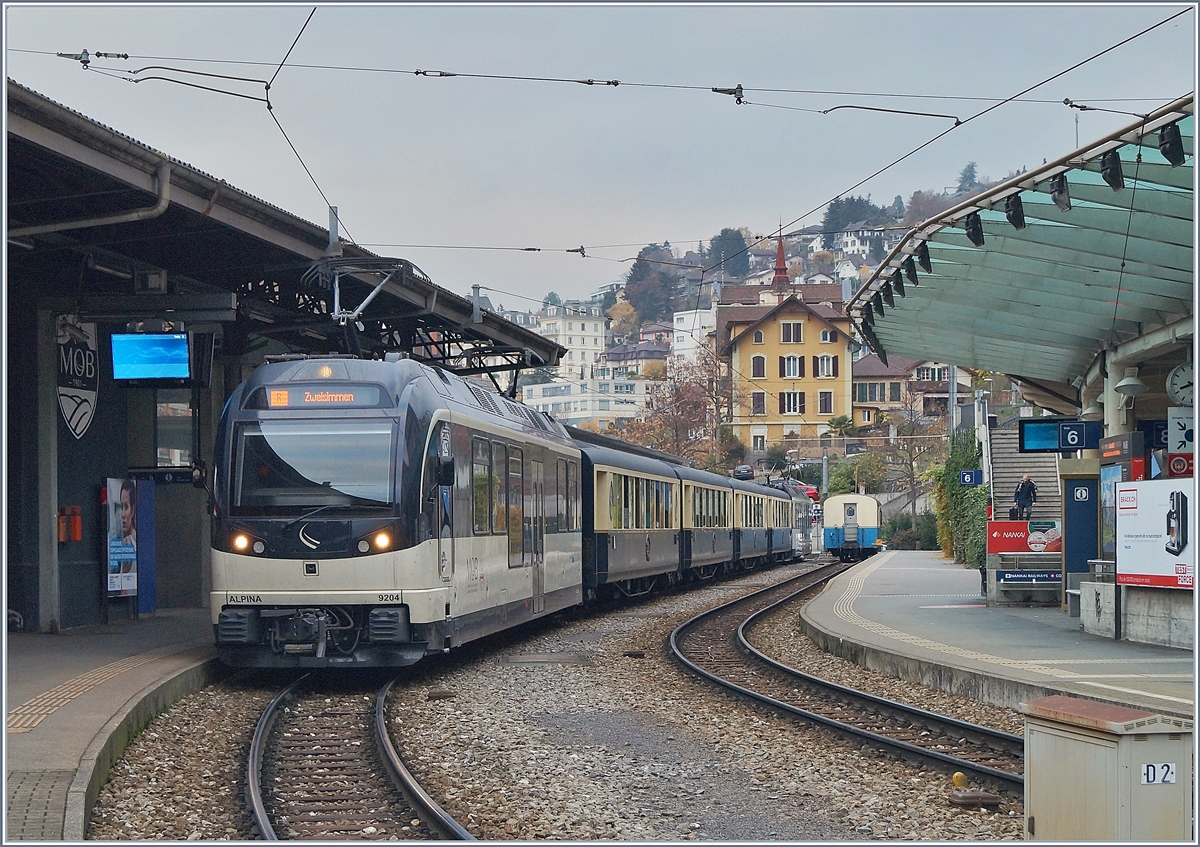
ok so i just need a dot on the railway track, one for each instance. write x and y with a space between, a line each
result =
714 644
322 767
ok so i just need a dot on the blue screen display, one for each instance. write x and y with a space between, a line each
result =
149 356
1038 436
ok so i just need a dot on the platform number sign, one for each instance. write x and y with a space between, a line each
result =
974 477
1158 773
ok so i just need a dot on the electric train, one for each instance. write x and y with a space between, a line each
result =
851 526
371 512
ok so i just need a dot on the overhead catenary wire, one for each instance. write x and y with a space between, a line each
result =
608 83
613 83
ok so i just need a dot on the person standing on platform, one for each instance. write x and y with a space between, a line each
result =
1024 498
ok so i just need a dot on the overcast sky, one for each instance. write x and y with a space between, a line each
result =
416 161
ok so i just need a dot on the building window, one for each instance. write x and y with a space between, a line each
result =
758 367
570 326
932 374
791 366
604 405
758 443
679 339
758 336
758 403
828 336
792 332
679 319
623 388
894 392
866 416
826 403
872 392
825 365
791 402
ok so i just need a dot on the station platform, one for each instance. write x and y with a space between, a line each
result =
75 698
918 616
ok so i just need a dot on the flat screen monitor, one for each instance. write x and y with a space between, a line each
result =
150 356
1039 435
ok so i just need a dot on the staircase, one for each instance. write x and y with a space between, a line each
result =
1008 466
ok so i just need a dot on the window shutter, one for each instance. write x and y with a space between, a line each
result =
833 335
801 402
816 366
782 367
781 409
835 358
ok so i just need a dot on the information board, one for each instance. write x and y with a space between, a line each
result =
1154 525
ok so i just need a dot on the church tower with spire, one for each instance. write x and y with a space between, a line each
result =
779 282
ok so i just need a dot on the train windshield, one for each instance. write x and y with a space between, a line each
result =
281 467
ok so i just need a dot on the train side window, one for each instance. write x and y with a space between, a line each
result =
614 499
667 489
573 521
516 507
562 496
626 502
499 501
481 483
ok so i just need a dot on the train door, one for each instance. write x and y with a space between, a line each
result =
537 521
443 509
850 525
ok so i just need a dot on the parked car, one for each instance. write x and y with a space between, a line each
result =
743 472
811 491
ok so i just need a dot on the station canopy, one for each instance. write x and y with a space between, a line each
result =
1035 277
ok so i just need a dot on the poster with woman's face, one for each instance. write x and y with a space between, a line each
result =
122 537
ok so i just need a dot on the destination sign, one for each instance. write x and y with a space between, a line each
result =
309 396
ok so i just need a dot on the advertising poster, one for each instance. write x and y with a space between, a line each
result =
1024 537
1110 477
1154 527
122 537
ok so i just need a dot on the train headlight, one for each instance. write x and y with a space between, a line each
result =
364 546
241 542
259 547
382 541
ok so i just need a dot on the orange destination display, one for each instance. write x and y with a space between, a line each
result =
310 396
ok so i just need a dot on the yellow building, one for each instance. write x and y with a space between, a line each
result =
790 370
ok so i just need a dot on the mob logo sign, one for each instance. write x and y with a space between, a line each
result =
78 373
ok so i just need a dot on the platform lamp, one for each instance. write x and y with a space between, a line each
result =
974 227
1060 193
922 255
1014 210
1110 170
1094 409
1130 385
1170 144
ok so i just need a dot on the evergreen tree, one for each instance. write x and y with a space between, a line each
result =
729 246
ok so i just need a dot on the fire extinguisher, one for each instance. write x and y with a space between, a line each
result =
76 523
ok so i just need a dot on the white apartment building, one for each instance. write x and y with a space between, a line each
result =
579 326
691 332
601 401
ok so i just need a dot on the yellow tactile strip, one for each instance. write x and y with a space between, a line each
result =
843 607
29 714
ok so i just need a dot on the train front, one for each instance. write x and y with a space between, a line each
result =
316 555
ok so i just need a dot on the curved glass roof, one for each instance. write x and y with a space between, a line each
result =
1095 269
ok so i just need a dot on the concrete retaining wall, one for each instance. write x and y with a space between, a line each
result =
1158 616
110 742
989 689
1096 607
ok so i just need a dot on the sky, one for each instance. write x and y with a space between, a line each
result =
434 169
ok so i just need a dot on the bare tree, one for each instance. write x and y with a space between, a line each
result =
918 442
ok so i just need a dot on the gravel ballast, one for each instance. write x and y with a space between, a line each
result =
585 728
